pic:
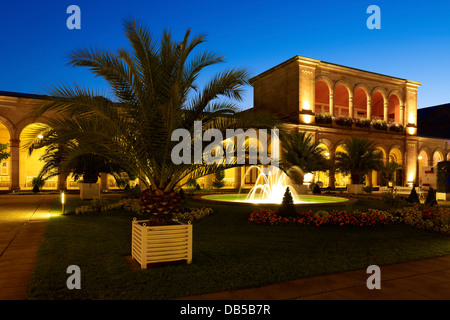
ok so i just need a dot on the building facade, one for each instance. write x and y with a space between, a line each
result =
308 95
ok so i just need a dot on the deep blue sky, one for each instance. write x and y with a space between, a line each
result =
413 43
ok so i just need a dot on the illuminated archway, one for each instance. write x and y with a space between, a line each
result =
322 97
423 160
5 165
30 165
322 177
360 103
341 100
377 106
379 178
340 179
395 155
437 157
394 109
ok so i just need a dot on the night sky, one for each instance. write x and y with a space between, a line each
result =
413 42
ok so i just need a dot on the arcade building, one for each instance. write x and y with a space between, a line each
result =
329 101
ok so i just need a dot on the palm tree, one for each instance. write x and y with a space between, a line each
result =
358 159
301 155
153 91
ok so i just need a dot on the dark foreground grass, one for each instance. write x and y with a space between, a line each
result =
229 253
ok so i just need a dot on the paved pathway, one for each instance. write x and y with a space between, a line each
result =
427 279
22 224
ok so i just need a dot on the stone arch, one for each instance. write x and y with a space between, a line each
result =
379 177
423 160
8 124
323 94
394 104
438 156
379 99
342 95
340 180
396 155
30 165
361 95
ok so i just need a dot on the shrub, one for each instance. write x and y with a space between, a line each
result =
431 198
413 197
443 177
393 199
194 214
37 183
368 189
316 189
287 208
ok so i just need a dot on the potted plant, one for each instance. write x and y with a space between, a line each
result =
160 238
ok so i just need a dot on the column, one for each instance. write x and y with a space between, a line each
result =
386 111
402 115
369 108
14 148
351 110
331 104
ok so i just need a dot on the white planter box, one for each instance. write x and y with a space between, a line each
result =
443 196
89 191
153 244
355 188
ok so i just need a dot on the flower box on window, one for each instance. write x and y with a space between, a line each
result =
396 127
343 121
323 119
379 124
362 122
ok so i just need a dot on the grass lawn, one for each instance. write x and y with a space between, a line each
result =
229 253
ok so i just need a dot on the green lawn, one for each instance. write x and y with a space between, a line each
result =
229 253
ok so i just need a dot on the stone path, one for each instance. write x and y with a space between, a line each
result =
22 224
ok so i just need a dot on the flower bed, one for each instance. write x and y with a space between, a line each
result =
322 217
435 218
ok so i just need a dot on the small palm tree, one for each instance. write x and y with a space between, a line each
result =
301 155
358 159
154 91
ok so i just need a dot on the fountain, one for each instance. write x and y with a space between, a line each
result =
269 188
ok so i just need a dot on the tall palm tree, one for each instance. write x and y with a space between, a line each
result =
301 155
358 159
153 91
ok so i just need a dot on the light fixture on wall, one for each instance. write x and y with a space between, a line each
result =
411 128
306 116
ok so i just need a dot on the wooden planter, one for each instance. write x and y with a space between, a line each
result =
154 244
